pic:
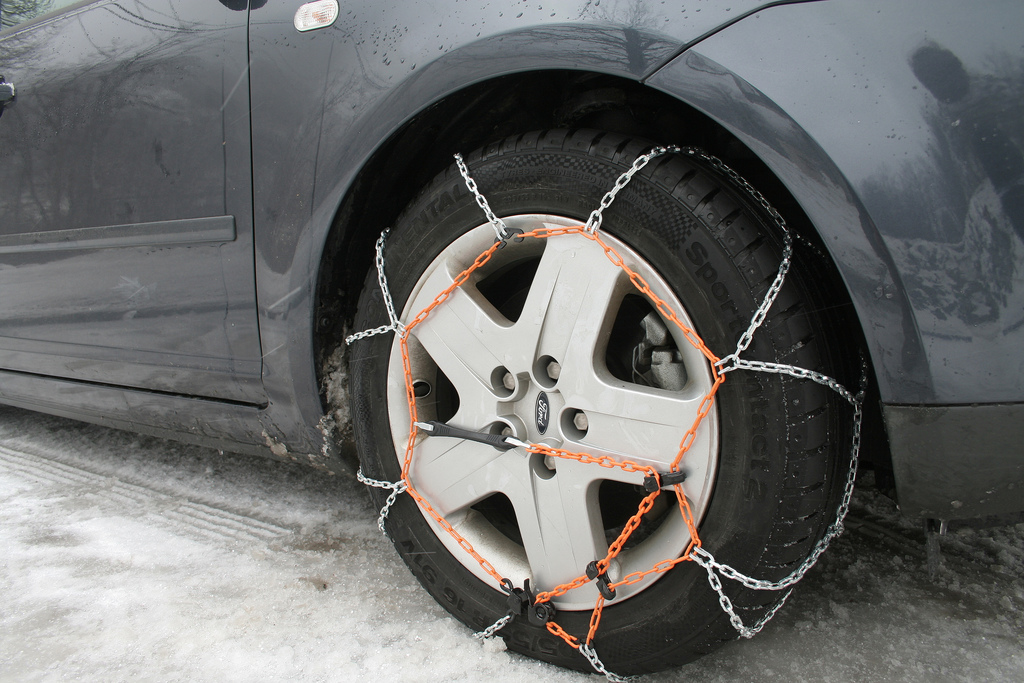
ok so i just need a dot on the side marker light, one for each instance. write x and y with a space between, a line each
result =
314 15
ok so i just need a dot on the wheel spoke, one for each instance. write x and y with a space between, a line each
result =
646 423
560 521
569 299
455 474
465 340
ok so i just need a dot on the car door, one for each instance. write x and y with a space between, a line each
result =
126 251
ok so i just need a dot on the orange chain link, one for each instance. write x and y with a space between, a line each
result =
585 458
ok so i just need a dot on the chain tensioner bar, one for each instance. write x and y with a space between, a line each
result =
503 442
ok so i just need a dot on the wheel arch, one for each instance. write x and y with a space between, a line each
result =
492 109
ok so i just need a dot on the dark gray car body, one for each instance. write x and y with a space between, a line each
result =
188 192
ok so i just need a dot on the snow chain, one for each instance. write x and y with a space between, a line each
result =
538 605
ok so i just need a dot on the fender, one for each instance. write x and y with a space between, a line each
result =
907 175
324 101
914 178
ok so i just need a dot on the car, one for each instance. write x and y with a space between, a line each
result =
610 371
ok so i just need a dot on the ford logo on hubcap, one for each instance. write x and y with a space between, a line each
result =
543 412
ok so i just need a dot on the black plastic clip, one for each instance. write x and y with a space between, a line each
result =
603 586
666 478
515 233
518 599
541 614
522 599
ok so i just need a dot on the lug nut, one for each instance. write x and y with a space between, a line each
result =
580 421
508 381
554 369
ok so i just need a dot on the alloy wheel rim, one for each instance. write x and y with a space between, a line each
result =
543 375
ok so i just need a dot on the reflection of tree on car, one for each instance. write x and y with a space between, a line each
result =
13 12
16 11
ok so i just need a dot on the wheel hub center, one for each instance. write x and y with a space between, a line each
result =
534 413
542 413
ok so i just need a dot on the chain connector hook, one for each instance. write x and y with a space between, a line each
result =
594 573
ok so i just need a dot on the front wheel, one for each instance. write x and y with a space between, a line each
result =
551 342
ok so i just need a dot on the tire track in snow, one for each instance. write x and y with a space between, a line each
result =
180 514
42 471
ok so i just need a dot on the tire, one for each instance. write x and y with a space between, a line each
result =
763 477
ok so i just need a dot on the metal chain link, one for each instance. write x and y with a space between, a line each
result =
594 222
794 371
834 531
711 565
734 362
500 229
396 487
762 311
723 600
591 654
729 363
395 324
756 628
721 166
493 628
787 251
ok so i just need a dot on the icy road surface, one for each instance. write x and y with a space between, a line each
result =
126 558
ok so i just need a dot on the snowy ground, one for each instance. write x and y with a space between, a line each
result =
128 558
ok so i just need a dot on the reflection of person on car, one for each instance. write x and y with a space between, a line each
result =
998 154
